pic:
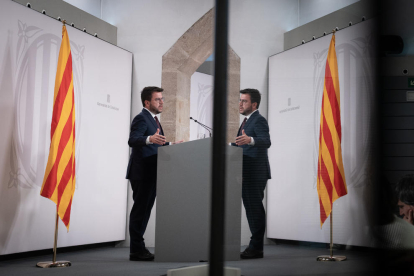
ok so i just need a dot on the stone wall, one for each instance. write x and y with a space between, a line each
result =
178 65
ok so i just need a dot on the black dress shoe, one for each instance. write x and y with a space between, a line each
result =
145 255
250 253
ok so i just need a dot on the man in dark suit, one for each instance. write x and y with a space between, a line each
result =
145 137
254 138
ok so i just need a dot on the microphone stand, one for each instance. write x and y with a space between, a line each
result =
203 125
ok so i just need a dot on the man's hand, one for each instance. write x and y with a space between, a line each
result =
177 142
409 217
243 139
157 138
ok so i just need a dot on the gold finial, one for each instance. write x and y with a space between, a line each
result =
334 31
64 22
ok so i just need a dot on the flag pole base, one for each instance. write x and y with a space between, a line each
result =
327 258
53 264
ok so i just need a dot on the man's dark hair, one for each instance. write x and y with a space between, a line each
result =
146 93
405 189
255 96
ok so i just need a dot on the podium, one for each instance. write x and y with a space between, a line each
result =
182 229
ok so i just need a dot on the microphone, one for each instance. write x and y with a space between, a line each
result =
200 123
203 125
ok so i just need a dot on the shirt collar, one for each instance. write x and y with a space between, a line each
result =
152 114
248 116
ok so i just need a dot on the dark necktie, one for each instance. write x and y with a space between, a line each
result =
242 126
159 125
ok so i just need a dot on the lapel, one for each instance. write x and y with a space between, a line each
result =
161 131
238 132
250 120
152 119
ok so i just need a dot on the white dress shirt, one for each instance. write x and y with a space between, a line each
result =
148 138
251 138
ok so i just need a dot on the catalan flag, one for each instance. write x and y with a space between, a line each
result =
59 180
331 183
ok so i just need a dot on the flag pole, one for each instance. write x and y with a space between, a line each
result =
331 78
54 263
331 257
56 236
331 234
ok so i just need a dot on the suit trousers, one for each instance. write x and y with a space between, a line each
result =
253 194
144 192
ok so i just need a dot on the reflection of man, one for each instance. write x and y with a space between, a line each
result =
254 138
145 137
405 195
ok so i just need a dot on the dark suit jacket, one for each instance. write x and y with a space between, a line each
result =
143 160
255 158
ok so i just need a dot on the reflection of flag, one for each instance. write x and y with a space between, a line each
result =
59 181
331 176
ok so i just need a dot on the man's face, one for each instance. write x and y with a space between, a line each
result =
156 103
245 105
404 208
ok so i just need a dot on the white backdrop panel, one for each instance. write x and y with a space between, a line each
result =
201 104
102 80
296 79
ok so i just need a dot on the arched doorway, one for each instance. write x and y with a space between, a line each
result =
178 65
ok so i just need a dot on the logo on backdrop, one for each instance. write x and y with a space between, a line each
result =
289 103
107 105
34 81
357 91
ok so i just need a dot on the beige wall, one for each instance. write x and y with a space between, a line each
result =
179 64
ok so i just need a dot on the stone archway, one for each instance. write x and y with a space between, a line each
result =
178 65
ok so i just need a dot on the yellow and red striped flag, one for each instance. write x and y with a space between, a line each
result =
331 183
59 180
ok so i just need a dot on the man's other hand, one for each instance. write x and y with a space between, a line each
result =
177 142
157 138
243 139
